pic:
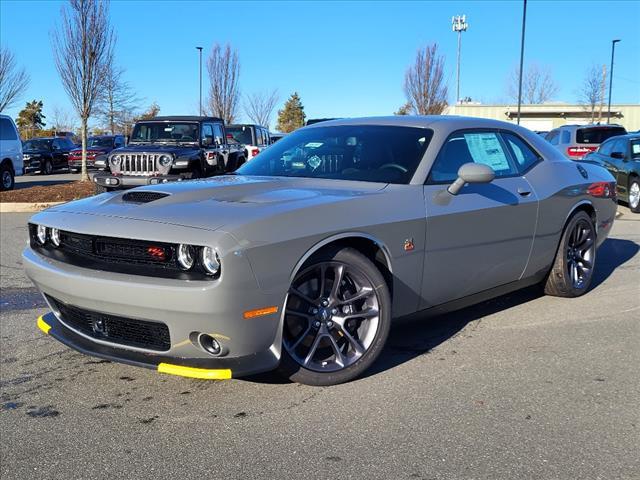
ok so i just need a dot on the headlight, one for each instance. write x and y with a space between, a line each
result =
115 160
55 237
186 256
165 160
210 260
41 234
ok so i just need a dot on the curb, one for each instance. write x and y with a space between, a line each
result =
21 207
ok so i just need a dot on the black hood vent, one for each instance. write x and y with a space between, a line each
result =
143 196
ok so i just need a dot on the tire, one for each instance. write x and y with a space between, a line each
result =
47 168
573 267
334 335
634 194
7 177
100 189
196 172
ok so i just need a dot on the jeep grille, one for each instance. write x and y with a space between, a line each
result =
139 163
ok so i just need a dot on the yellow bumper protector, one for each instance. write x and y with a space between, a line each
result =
42 325
192 372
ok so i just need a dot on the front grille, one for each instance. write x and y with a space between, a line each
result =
143 196
139 163
115 329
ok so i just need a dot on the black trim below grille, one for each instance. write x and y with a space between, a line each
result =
114 329
143 196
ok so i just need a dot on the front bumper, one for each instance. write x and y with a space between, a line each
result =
31 166
185 307
78 163
106 179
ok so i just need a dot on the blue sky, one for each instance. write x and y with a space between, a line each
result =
344 58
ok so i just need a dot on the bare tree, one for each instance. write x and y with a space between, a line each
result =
590 92
259 107
538 85
424 84
224 71
83 52
13 80
117 99
62 120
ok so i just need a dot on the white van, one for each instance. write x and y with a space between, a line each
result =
10 153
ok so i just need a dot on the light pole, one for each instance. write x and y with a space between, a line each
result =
459 24
613 51
524 21
200 53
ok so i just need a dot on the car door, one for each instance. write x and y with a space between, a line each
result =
619 158
480 238
57 153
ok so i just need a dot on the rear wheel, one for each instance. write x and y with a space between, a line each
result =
634 195
7 178
337 319
575 260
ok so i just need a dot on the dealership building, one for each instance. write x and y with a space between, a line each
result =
548 116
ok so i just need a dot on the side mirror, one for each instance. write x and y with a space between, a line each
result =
471 173
618 155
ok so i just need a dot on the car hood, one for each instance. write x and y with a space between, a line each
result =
220 201
35 152
156 147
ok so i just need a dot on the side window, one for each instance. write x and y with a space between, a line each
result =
606 148
56 144
466 147
119 142
7 131
258 136
217 133
619 145
553 137
207 134
566 136
522 153
265 135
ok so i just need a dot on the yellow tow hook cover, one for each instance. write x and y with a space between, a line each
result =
42 325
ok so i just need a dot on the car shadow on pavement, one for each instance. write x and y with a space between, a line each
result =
39 181
419 335
613 253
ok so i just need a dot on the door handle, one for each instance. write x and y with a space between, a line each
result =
523 192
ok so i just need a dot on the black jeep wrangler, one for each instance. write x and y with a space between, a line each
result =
167 149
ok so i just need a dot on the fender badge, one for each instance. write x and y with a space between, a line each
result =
408 245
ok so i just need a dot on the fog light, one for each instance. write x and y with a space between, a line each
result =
209 344
210 260
41 234
186 256
55 237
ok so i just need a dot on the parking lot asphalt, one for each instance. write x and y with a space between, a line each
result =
35 179
524 386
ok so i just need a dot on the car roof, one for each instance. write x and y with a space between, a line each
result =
245 125
41 138
442 121
183 118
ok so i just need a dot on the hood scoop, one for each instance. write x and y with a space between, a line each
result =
143 196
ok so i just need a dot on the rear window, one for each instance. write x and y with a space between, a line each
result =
7 131
598 135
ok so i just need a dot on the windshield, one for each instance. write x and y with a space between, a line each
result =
240 134
106 142
160 132
39 144
369 153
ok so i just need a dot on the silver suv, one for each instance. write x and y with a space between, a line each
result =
575 141
10 153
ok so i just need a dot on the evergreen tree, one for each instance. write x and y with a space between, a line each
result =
30 119
292 115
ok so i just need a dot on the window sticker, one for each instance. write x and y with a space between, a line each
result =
485 148
635 147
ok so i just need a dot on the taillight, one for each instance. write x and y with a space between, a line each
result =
255 151
579 152
602 189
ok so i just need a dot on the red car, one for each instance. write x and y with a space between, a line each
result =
96 145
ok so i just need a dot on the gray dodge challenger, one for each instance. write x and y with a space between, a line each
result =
300 259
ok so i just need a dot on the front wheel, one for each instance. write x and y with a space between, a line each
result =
634 195
575 260
337 319
47 168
